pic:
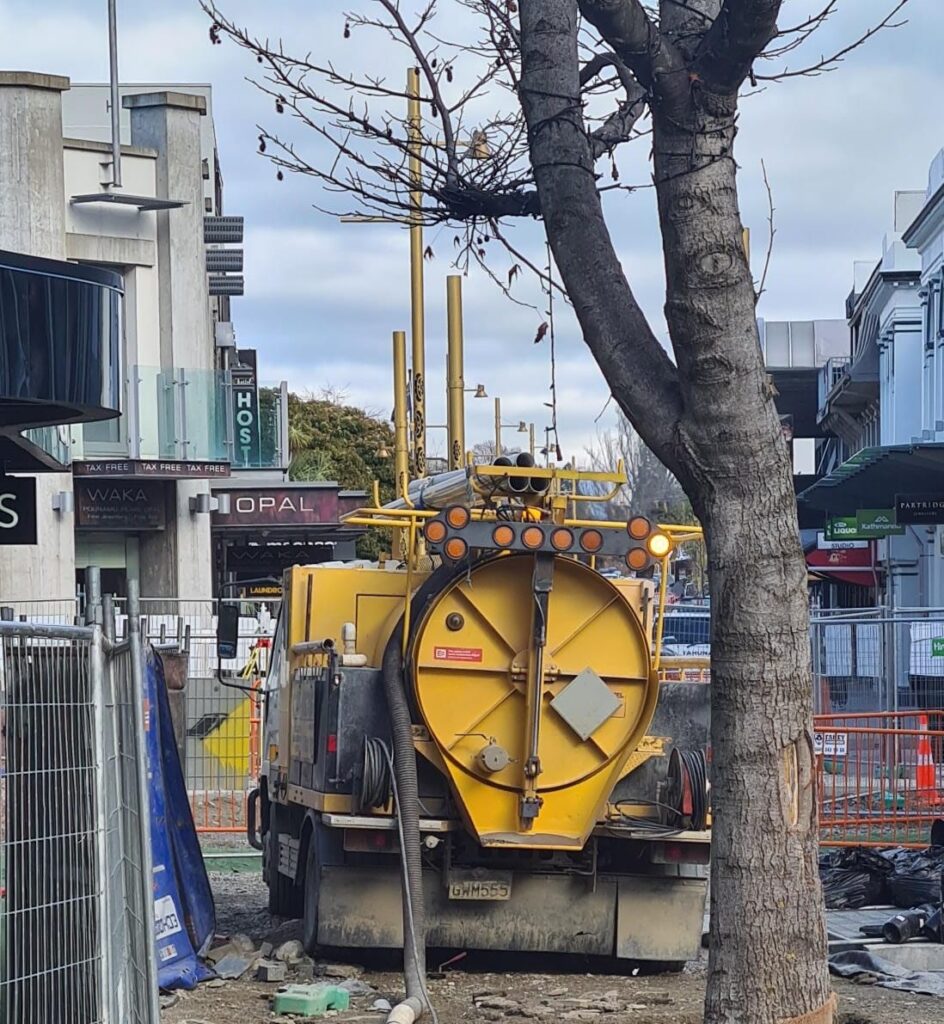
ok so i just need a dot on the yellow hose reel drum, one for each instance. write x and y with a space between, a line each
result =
474 661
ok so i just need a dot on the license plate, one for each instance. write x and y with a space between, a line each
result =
496 885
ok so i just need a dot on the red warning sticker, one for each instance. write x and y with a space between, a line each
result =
457 653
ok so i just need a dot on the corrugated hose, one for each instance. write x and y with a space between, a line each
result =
402 766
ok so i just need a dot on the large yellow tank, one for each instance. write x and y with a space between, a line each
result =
474 671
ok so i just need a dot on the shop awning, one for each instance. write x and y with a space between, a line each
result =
874 476
842 565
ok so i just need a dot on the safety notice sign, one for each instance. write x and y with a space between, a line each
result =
469 654
831 744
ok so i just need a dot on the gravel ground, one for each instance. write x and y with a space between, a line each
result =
481 988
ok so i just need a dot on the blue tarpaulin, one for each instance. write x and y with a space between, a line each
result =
184 916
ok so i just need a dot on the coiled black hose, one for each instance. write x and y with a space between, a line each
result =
376 779
406 790
691 765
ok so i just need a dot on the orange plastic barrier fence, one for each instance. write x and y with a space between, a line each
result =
880 778
224 746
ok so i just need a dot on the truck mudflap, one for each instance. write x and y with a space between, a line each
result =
637 917
660 918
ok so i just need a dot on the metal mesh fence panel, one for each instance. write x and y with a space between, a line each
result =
878 661
51 832
76 930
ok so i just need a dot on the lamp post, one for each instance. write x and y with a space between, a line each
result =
520 426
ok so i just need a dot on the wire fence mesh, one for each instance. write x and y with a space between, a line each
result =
219 704
878 660
76 918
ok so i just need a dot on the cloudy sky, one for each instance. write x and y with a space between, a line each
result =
322 298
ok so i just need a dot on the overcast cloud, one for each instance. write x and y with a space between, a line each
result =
322 298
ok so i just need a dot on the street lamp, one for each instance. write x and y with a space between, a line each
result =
521 427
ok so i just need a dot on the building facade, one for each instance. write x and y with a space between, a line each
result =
133 494
883 406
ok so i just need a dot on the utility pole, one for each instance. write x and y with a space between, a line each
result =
417 296
455 384
115 98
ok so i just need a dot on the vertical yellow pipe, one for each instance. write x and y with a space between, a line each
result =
401 451
455 381
498 444
417 297
660 624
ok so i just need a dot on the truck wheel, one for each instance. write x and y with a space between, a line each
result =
285 897
312 880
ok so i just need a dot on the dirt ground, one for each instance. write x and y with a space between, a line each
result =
480 988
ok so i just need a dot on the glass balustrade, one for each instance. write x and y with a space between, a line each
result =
188 414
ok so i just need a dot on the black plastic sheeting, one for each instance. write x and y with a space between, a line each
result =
860 877
872 968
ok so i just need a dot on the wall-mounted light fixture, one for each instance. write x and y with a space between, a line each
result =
204 504
63 502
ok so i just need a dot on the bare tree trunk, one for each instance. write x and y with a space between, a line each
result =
718 431
765 889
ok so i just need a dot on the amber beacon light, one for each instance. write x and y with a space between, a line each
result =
503 536
639 528
455 549
435 531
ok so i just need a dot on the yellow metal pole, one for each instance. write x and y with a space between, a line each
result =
455 382
498 444
401 450
660 624
417 297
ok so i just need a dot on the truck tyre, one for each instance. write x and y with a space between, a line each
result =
311 887
285 897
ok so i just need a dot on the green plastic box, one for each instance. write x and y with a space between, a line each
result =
311 1000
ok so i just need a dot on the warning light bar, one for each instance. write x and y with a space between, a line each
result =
453 534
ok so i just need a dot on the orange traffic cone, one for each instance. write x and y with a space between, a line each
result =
925 773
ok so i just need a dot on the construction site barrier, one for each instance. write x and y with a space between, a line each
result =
76 910
877 660
879 777
219 704
685 669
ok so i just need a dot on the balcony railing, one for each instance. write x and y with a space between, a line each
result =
54 441
186 414
830 375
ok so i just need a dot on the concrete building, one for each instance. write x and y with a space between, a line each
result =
884 407
794 353
133 493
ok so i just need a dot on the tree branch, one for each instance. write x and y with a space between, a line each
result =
658 66
829 63
771 231
738 36
635 365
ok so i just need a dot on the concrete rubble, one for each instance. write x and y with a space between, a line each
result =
271 971
555 1004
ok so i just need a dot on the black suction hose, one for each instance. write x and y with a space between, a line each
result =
406 790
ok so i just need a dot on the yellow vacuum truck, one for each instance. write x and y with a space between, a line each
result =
468 746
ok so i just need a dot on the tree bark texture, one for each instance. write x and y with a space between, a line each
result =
714 424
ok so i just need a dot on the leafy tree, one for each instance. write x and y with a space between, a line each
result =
523 113
329 440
